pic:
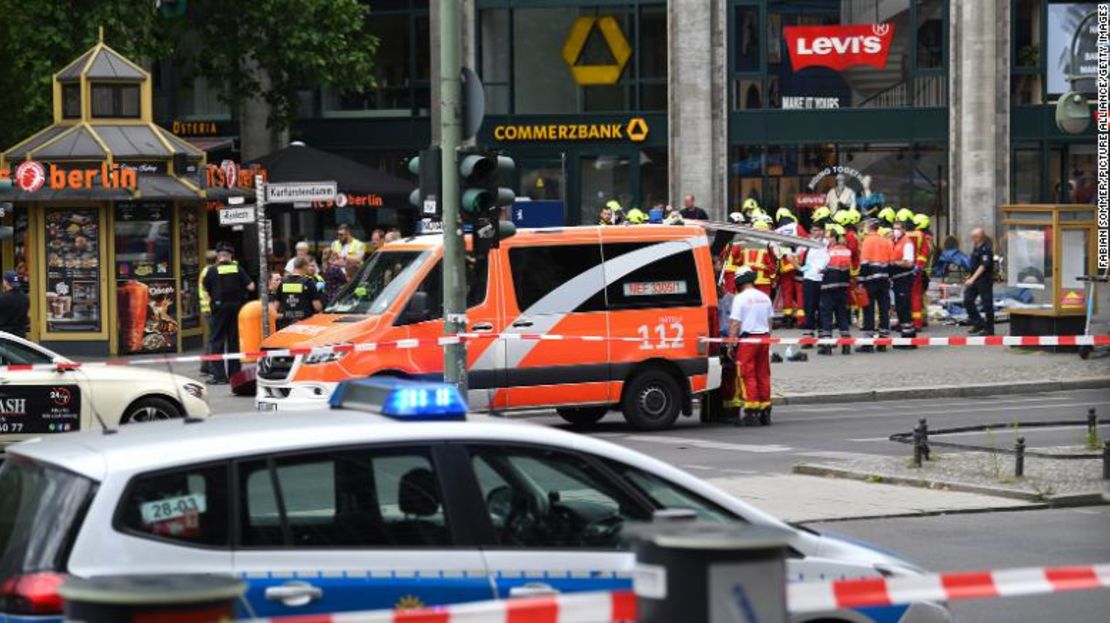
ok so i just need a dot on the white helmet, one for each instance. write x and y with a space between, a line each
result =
736 217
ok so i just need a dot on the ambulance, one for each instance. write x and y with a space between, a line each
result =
551 302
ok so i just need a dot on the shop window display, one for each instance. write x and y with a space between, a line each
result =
146 291
846 54
864 176
73 270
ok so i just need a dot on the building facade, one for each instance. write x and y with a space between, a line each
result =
942 106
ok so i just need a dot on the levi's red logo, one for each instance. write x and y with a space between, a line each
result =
839 47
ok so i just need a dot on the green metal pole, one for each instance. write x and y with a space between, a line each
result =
450 119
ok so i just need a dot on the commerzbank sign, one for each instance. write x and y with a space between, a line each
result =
634 130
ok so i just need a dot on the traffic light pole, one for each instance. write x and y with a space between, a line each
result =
454 252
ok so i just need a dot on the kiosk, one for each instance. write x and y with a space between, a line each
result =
1046 249
108 216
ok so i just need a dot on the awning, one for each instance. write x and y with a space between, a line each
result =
211 143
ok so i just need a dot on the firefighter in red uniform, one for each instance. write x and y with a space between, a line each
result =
848 219
924 263
834 290
790 283
730 257
917 292
758 257
750 317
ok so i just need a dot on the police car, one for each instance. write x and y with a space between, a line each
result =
43 393
389 502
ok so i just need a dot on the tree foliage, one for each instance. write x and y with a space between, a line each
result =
300 44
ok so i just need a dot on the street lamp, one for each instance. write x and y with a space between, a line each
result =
1073 113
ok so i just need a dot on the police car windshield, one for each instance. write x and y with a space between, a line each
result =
378 282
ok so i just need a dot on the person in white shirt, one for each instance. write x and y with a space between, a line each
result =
302 251
751 317
812 266
841 196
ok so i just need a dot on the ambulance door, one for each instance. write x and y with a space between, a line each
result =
423 317
557 307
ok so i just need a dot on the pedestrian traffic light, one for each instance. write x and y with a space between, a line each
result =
427 166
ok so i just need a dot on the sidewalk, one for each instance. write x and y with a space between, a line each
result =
815 499
935 371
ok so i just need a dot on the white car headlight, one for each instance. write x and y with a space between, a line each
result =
196 390
313 359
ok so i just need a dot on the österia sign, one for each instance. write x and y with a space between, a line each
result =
634 130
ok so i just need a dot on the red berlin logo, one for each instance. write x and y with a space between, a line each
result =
839 47
30 176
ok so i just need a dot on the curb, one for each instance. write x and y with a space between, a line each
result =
1057 501
944 391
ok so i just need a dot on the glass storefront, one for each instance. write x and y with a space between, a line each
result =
525 63
799 54
875 175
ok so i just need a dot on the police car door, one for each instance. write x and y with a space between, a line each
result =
559 290
352 529
557 518
38 397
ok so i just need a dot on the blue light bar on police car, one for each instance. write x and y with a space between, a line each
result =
401 399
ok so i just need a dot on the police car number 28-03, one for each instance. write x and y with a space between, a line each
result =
172 508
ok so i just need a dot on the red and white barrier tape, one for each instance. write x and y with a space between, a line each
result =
802 598
1000 340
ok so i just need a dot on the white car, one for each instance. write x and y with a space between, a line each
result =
357 510
57 396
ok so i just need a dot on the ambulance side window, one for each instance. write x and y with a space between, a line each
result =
539 271
670 281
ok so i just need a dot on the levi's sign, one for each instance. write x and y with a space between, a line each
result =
839 47
293 192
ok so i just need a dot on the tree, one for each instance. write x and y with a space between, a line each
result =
39 38
258 48
293 44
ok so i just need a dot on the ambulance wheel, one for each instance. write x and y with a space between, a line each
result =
1084 352
582 416
151 409
652 400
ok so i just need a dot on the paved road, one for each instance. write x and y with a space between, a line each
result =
997 541
813 432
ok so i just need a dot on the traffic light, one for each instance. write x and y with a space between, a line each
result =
426 197
482 196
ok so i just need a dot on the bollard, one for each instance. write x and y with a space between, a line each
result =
1092 424
924 438
709 572
180 598
1019 457
1106 460
917 446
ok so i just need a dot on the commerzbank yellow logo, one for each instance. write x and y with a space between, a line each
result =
586 75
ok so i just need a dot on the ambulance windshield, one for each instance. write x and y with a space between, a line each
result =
378 283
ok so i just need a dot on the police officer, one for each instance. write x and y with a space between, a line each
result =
980 284
298 296
206 306
227 283
14 305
